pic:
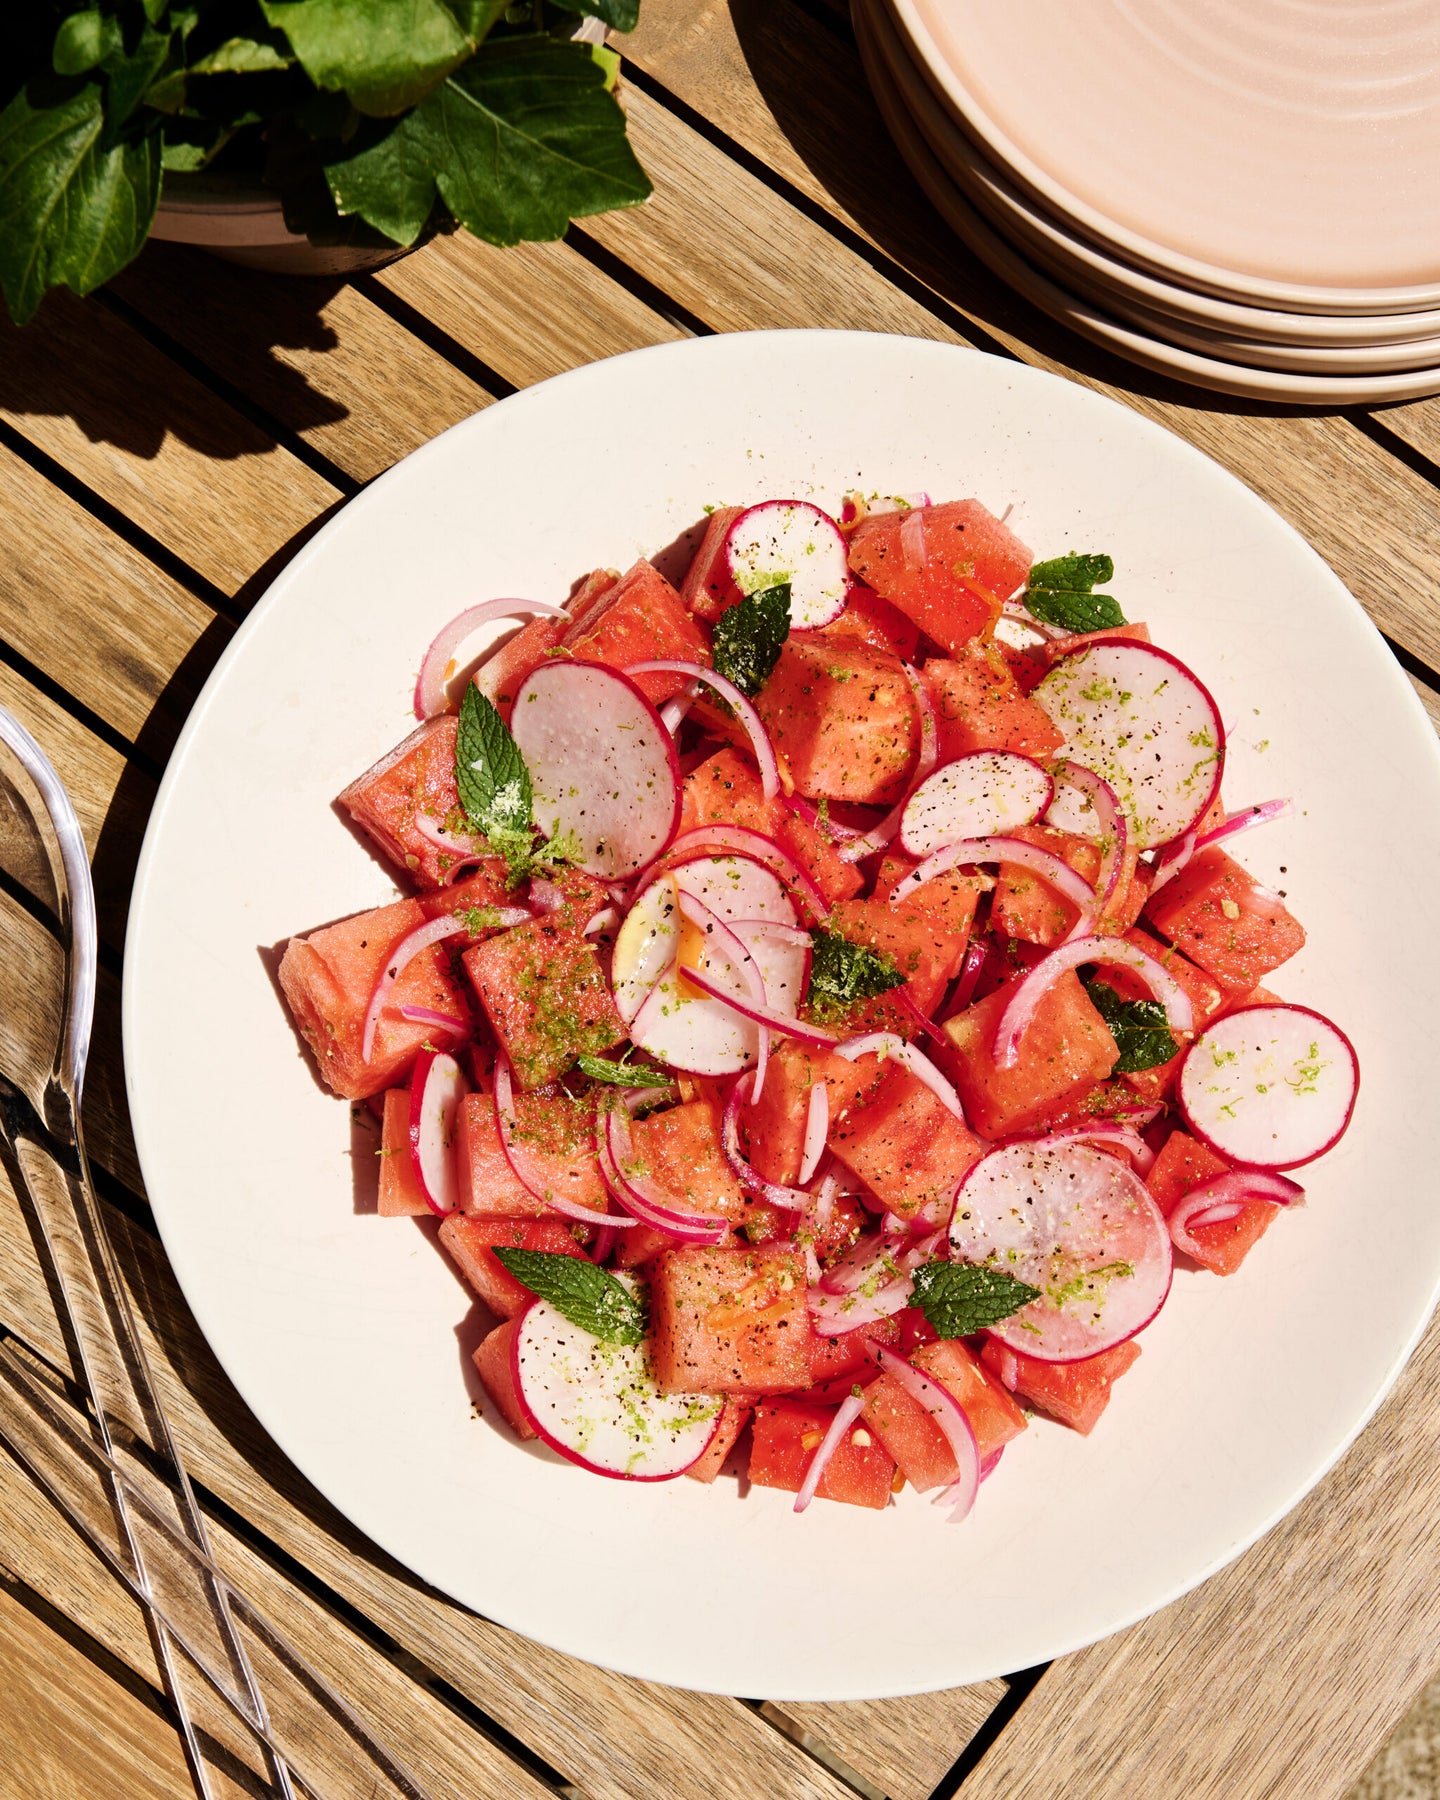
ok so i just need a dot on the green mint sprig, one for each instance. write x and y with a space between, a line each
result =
1139 1028
961 1298
748 637
589 1296
1061 592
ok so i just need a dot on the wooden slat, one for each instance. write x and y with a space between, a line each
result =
808 115
570 313
70 1730
617 1738
150 439
903 1747
317 355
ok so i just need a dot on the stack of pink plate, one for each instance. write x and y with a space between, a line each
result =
1241 193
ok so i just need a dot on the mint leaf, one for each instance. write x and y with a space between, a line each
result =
842 973
385 54
74 208
619 15
490 772
748 636
1139 1028
1073 612
1077 573
589 1296
516 143
620 1074
961 1298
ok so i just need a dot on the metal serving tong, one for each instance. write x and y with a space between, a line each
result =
254 1715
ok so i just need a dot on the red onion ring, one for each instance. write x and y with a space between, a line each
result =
673 712
825 1201
1016 609
1126 1136
975 953
848 1412
404 953
601 921
1223 1198
806 810
788 1198
736 953
435 667
1114 832
840 1313
1244 818
604 1241
546 896
1174 860
639 1197
906 1002
1008 1369
458 842
871 1255
1044 863
744 711
740 841
913 549
782 1023
882 834
886 1044
427 1015
788 934
520 1167
949 1415
1179 1010
817 1126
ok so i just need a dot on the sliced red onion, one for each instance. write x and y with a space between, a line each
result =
1223 1198
546 896
976 952
1179 1010
1126 1136
906 1002
788 934
825 1201
920 1251
812 1265
848 1412
885 1043
857 506
1007 1364
991 1463
840 1313
433 931
427 1015
521 1167
782 1023
601 921
788 1198
604 1240
732 947
867 1259
1172 860
436 668
1044 863
639 1196
817 1127
1016 609
879 836
1113 832
809 812
913 549
458 842
744 711
673 712
743 842
949 1415
1243 819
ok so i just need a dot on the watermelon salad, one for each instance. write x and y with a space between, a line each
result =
825 1005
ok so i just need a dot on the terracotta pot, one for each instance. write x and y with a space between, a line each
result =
235 217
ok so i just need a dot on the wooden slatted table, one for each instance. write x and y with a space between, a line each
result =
164 448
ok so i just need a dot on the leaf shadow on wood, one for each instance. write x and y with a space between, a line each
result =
811 80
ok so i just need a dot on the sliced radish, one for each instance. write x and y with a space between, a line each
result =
1272 1086
1080 1226
1139 718
791 540
987 793
601 762
437 1087
597 1403
645 946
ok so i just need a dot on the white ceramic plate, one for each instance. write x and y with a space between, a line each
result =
348 1334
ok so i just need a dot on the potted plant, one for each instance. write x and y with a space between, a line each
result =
334 133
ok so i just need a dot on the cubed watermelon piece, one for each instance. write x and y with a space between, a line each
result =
493 1360
1025 905
642 619
870 619
1066 1050
1222 919
772 1131
418 776
639 1245
328 978
487 1182
725 790
472 1243
844 1356
971 564
728 1320
1075 1393
679 1152
500 675
400 1195
546 998
1184 1163
734 1417
906 1146
787 1433
978 705
707 588
924 951
914 1439
947 900
843 720
554 1134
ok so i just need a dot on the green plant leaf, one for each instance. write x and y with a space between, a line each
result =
155 10
589 1296
130 73
83 40
490 772
1139 1027
475 17
619 15
72 209
843 973
748 637
1077 573
241 56
961 1298
1071 611
386 55
517 143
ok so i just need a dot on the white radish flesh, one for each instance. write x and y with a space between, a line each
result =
1080 1226
437 1087
1139 718
602 765
985 794
645 946
598 1405
1270 1086
791 540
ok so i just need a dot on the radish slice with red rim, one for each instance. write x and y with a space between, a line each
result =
792 540
597 1403
1271 1086
1146 725
1032 988
437 1087
1076 1224
984 794
602 765
438 666
1226 1197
